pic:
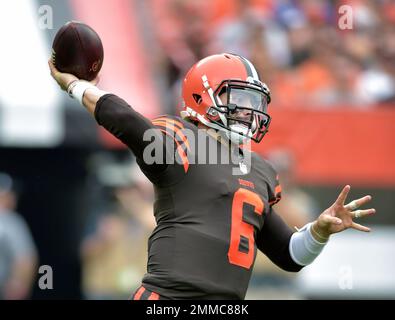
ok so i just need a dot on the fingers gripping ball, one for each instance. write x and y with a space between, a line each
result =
77 49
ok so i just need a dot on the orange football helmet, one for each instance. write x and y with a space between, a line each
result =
224 92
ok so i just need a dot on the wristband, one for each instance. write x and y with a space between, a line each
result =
303 247
77 88
324 239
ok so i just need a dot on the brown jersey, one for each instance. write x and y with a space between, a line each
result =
210 221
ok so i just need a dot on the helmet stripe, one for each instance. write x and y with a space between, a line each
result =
251 71
255 75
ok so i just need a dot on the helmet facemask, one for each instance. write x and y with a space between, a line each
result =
239 109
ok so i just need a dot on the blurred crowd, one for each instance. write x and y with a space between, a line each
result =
114 248
18 253
297 46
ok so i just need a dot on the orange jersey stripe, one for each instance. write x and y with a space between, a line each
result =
181 152
153 296
175 122
139 293
175 129
177 126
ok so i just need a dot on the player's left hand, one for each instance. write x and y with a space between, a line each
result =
340 217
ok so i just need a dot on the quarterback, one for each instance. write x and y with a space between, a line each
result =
211 221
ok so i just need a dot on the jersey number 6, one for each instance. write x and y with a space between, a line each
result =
240 229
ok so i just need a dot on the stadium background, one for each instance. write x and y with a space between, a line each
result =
332 108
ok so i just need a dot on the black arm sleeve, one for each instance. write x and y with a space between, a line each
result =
273 241
129 126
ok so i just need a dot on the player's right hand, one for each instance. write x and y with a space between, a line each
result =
63 79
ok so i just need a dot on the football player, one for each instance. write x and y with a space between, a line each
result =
211 221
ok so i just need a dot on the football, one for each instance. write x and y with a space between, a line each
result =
77 49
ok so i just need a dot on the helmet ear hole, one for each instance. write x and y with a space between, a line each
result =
197 97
